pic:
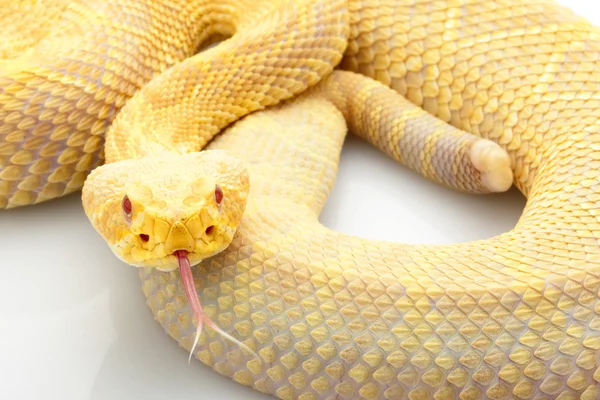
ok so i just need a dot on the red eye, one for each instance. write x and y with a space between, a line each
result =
127 207
218 194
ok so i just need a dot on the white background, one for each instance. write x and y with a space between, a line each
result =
73 322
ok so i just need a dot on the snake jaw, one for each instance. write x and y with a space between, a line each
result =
187 281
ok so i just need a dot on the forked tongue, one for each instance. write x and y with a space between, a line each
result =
187 280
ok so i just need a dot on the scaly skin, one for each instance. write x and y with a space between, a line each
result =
58 98
333 316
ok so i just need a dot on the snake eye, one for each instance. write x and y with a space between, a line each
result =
127 208
218 194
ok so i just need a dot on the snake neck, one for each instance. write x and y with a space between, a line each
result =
65 77
240 76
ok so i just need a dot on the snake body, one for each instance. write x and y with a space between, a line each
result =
330 315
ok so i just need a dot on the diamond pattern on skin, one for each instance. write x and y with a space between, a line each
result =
514 316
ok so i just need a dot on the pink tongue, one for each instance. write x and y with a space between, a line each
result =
187 280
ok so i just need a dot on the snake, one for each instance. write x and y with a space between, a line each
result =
208 169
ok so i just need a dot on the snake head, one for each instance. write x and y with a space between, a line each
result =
149 209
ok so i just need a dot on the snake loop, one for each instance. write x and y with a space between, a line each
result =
470 93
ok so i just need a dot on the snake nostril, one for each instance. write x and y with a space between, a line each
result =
209 229
144 237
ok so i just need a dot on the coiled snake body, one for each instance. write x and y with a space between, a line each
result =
329 315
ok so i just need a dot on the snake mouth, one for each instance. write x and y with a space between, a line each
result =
172 261
187 281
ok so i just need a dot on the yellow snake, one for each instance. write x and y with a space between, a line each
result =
328 315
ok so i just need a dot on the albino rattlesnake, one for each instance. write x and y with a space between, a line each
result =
329 315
